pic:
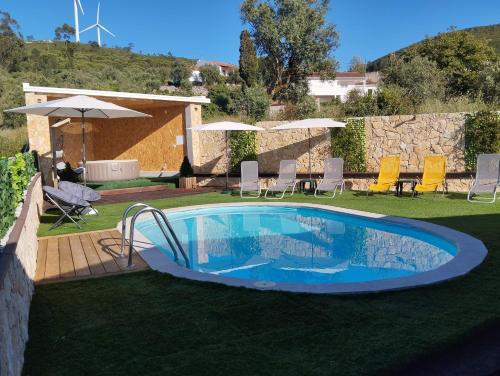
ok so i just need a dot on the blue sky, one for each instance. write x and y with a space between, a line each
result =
209 29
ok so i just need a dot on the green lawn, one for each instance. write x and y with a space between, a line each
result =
139 182
151 323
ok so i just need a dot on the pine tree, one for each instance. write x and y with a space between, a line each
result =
248 59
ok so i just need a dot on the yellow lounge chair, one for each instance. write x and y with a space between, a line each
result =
434 175
387 176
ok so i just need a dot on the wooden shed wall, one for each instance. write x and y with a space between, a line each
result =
152 141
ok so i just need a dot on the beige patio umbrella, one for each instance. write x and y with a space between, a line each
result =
226 126
310 124
80 106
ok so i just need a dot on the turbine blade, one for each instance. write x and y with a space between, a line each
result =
107 31
88 28
98 8
81 8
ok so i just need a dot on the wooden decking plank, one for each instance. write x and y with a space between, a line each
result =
100 241
136 259
66 266
93 259
41 260
52 270
79 259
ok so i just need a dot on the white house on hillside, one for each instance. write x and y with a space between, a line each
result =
344 82
225 69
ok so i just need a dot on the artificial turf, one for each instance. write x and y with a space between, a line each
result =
151 323
139 182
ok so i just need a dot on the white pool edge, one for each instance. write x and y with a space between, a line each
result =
471 252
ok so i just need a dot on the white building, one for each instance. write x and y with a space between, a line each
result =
344 82
225 69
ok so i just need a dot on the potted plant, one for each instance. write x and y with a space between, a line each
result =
186 179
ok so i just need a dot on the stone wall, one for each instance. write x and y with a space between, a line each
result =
412 137
17 269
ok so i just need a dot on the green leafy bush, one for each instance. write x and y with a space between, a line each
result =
243 148
253 103
349 143
15 174
482 135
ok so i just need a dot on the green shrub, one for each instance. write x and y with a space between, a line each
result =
243 148
253 103
15 174
482 135
12 141
349 143
6 198
357 104
186 169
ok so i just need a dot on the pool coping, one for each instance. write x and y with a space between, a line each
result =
471 252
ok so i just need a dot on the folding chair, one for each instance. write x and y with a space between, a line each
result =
68 204
487 178
85 193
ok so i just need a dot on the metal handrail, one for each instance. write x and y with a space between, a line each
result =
124 225
156 214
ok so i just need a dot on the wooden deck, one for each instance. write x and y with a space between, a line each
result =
70 257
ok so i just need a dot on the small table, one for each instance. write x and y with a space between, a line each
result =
312 185
401 182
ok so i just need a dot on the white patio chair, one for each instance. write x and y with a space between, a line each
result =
333 177
250 178
287 178
487 178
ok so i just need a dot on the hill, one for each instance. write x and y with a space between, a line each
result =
490 33
88 66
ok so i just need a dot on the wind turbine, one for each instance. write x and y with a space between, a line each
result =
98 26
76 4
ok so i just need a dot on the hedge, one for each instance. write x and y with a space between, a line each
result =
15 175
482 135
349 143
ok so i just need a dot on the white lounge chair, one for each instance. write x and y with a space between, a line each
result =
333 177
487 178
250 178
287 178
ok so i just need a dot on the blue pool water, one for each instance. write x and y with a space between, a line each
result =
299 244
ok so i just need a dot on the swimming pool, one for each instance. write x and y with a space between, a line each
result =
308 248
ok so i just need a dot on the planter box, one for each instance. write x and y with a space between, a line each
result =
187 183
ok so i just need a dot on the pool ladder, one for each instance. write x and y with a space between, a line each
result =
162 222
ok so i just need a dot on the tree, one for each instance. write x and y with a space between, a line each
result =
357 64
248 59
180 72
65 32
418 78
460 55
11 45
210 75
295 38
8 25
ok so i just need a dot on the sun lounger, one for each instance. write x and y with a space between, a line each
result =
434 175
68 204
333 177
487 178
387 176
287 178
250 178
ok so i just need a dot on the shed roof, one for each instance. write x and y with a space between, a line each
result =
113 94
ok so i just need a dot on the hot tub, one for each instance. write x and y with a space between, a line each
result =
112 170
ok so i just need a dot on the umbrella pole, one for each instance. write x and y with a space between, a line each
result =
84 152
310 171
227 162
